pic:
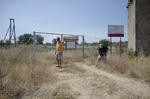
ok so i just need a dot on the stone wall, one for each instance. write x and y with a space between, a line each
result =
131 25
143 26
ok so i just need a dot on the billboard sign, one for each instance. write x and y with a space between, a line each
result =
115 31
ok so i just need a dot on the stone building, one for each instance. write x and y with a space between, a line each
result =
139 26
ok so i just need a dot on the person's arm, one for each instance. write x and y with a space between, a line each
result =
63 40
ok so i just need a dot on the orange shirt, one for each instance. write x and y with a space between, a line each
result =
59 46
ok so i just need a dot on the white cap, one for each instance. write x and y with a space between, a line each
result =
101 44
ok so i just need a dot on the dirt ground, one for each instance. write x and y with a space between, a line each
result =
80 81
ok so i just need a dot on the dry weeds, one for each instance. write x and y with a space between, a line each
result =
27 75
22 75
136 67
62 92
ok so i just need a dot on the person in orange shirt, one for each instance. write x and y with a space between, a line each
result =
59 51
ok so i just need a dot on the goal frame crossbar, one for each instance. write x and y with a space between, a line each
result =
34 39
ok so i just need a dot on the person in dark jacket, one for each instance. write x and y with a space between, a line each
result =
102 50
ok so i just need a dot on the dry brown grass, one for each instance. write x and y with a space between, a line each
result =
73 68
69 58
62 92
22 75
136 67
27 75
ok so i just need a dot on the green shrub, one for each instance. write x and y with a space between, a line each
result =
131 53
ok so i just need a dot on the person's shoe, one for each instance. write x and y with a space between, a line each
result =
96 64
58 66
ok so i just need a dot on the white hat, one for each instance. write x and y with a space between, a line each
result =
101 44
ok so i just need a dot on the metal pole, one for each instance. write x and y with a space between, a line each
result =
111 44
14 31
120 46
23 47
34 44
66 45
10 33
83 46
6 33
58 34
61 37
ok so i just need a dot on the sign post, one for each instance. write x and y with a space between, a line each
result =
116 31
120 47
111 44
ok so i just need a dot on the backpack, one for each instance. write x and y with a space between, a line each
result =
105 48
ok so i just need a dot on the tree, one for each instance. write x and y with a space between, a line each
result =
24 38
94 44
48 43
39 39
1 43
77 43
104 42
7 42
54 41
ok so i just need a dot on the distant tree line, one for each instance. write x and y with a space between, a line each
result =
4 43
25 37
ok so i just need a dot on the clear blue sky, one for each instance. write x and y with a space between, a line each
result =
83 17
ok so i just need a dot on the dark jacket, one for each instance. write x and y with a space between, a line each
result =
103 50
100 51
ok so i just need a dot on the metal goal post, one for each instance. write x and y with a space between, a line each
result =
34 40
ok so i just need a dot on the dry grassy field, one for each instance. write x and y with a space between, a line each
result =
122 77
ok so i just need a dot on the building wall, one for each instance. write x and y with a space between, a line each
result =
131 26
143 26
